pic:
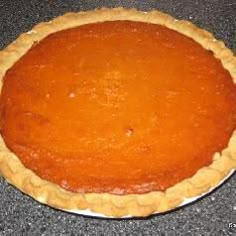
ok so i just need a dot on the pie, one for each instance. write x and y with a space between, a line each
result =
117 111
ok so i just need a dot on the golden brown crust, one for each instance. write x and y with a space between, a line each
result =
109 204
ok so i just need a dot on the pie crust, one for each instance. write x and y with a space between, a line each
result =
105 203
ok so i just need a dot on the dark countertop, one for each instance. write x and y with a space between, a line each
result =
20 215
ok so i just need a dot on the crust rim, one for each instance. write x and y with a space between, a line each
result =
105 203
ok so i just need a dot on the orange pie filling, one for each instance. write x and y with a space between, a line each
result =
119 107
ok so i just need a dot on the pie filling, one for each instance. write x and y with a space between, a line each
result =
120 107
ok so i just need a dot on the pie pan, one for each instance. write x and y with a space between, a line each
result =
203 181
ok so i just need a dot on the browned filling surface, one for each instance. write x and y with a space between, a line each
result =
121 107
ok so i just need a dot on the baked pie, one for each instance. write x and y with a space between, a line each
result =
117 111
